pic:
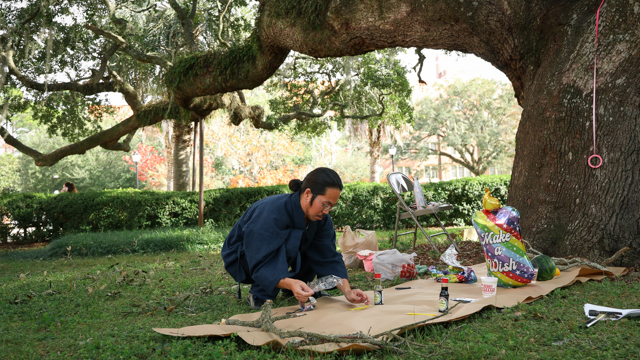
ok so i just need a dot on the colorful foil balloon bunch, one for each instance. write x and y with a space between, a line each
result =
498 230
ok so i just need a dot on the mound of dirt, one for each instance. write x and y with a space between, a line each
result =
470 253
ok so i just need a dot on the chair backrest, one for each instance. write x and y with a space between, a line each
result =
399 182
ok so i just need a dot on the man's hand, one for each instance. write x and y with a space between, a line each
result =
357 296
299 289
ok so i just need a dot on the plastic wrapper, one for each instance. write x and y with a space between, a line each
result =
325 283
351 242
455 271
392 264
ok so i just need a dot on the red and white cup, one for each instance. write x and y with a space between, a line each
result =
489 286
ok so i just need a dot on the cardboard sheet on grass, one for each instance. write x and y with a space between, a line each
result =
332 315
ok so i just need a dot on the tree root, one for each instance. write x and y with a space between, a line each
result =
388 340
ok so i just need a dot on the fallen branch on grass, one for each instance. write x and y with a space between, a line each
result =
569 263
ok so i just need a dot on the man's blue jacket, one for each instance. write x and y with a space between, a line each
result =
273 238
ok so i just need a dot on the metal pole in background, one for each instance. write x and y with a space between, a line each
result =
195 147
136 158
201 201
392 151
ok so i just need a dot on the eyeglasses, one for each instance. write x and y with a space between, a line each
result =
325 207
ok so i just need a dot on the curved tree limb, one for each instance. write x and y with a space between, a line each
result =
420 64
125 145
349 28
221 24
148 115
88 88
128 49
130 95
145 115
187 23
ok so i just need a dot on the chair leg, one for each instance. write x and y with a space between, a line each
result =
446 232
395 234
415 237
424 232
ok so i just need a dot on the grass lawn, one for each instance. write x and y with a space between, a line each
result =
62 305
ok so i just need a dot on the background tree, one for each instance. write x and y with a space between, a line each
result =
95 170
65 54
243 156
474 124
370 90
9 176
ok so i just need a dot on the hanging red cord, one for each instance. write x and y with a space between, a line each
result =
595 55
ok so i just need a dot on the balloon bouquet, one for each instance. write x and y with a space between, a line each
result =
498 230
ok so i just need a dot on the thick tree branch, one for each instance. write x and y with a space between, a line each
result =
344 29
145 115
130 95
421 59
149 115
128 49
125 145
85 89
186 22
221 24
108 53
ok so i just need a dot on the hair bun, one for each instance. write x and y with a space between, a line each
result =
295 185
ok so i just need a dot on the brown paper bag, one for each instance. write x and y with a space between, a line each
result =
350 243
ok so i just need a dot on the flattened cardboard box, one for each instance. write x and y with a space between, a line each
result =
332 315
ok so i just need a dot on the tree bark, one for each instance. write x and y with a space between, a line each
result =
167 130
181 151
567 207
375 146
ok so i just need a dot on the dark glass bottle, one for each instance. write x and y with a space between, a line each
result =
443 300
377 291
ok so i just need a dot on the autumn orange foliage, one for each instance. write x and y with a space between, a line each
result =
151 167
257 157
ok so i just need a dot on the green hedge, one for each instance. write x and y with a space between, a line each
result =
362 205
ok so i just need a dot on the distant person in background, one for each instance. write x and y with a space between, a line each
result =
69 187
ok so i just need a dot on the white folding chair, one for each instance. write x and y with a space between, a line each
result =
400 183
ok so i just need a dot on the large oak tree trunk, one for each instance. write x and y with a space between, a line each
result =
567 207
181 151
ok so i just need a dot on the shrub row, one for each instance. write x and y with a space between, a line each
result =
41 217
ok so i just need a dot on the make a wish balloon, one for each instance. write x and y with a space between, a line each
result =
498 230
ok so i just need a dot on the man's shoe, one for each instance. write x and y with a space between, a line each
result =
255 303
